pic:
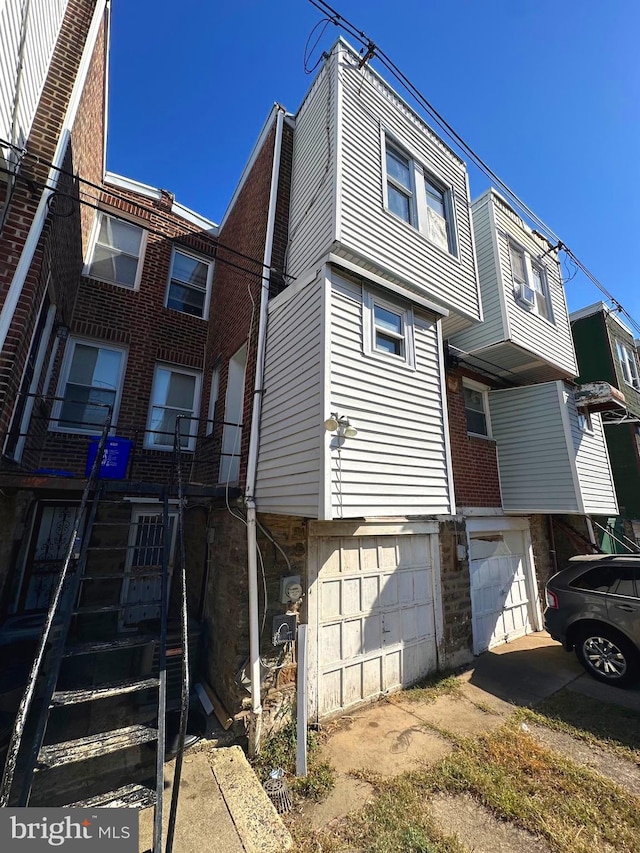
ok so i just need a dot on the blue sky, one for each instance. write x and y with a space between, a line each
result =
546 91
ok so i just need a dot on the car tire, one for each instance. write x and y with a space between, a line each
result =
607 656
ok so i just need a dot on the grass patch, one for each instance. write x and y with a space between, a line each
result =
280 751
397 821
596 723
534 788
576 810
430 689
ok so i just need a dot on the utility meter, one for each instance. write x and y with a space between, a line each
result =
290 589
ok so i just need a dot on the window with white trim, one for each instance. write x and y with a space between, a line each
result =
116 250
418 197
90 385
529 282
189 284
387 330
175 393
628 364
476 408
584 421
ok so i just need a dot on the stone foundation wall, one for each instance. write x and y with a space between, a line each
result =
456 597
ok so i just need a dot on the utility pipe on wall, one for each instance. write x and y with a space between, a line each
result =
255 723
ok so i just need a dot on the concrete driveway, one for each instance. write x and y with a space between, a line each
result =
398 734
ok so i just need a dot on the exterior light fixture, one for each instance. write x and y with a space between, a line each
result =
62 332
341 425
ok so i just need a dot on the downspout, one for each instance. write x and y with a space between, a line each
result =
33 237
255 719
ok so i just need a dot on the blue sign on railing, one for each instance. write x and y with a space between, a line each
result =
115 458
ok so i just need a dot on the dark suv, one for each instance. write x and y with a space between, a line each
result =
593 606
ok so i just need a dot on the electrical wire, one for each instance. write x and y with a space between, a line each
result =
309 51
105 189
372 50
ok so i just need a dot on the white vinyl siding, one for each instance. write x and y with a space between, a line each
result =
592 463
534 459
534 344
291 431
546 463
339 179
397 464
371 112
43 27
313 178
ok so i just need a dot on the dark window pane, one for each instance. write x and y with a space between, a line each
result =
388 344
625 582
476 422
387 320
598 579
398 168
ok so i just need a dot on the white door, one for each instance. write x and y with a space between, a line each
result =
375 616
500 599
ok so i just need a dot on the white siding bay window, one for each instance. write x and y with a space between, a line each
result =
175 393
116 249
529 282
90 387
189 284
419 198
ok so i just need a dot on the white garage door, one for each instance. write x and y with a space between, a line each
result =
500 602
375 616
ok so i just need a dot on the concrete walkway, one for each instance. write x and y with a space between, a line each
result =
222 807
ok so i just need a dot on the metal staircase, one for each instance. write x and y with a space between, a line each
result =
87 675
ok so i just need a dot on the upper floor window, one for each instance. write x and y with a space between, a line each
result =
175 393
530 282
476 408
399 185
189 282
388 330
628 364
418 198
90 386
115 251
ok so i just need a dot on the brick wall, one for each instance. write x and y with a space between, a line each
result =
475 466
236 292
227 615
33 175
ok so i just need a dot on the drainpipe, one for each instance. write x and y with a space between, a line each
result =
37 224
255 719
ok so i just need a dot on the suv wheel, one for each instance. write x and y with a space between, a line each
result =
607 656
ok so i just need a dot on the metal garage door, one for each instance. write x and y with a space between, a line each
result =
375 616
500 600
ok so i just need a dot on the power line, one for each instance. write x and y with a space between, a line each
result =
372 50
101 188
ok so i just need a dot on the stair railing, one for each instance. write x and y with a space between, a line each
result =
62 601
184 705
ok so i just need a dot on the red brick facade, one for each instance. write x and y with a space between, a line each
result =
475 466
57 236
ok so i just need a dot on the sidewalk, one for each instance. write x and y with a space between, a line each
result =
222 807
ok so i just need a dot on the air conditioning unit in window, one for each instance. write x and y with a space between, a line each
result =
526 295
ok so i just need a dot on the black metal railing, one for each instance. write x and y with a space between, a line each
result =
61 608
